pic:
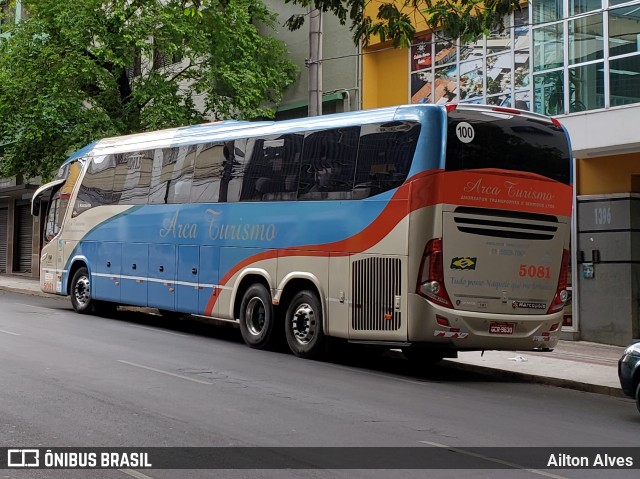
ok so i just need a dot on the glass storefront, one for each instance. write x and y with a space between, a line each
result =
557 57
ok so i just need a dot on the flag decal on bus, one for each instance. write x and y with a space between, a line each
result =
464 263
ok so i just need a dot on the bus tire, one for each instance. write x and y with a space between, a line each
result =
257 318
81 292
303 325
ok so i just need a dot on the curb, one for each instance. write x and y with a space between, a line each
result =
523 377
533 378
29 292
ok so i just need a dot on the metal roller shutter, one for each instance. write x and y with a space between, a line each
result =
25 239
4 213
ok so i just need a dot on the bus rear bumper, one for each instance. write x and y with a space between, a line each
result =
470 330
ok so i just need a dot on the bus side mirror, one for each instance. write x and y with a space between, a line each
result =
35 207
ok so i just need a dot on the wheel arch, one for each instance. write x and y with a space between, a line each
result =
294 283
244 281
74 265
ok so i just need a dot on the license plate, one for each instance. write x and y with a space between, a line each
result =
501 328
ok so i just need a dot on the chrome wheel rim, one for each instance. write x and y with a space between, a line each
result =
304 324
255 312
81 291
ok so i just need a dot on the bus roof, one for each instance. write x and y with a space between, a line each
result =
236 129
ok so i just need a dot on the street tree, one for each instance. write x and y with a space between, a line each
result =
74 71
396 20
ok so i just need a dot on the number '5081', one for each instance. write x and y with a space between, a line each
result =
533 271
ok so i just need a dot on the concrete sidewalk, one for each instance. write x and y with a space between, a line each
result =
577 365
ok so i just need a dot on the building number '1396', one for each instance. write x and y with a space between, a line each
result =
533 271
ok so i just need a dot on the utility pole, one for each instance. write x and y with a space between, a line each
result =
315 62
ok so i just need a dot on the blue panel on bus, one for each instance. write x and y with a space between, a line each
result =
187 287
106 274
230 257
162 276
208 274
246 226
135 264
271 225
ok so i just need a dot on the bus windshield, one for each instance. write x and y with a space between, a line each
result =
61 189
501 140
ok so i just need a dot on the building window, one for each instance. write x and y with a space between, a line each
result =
586 87
576 7
586 39
471 86
547 10
163 60
548 93
446 84
548 46
624 80
624 31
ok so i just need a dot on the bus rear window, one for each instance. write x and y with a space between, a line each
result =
486 139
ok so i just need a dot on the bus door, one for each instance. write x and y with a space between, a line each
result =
52 259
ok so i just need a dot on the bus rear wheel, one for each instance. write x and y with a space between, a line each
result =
303 325
257 319
81 292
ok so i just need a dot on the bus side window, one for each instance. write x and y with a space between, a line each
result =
171 175
134 176
384 157
207 173
97 185
328 164
217 175
179 188
272 171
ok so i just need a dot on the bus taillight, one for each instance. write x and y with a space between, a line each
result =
431 278
561 292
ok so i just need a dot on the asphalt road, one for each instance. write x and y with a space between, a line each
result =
68 380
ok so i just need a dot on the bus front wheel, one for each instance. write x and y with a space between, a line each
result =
303 325
257 319
81 292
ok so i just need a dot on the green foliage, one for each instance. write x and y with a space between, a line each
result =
395 20
78 70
